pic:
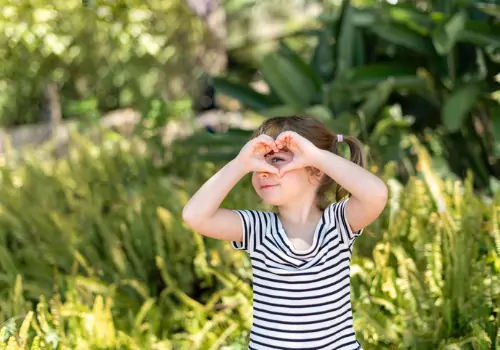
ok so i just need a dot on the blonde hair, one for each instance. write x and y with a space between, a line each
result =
316 132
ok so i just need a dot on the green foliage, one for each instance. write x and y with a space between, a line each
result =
99 235
105 221
102 57
432 281
440 68
79 320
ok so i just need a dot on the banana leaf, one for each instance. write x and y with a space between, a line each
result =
243 93
458 106
288 81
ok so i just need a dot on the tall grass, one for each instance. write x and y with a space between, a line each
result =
432 280
94 255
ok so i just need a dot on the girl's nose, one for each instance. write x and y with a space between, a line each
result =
264 174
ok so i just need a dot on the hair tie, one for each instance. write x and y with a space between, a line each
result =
340 138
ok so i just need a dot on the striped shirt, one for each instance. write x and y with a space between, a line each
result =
301 298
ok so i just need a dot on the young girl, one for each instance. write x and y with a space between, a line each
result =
300 254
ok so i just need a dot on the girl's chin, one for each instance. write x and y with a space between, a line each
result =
272 201
271 197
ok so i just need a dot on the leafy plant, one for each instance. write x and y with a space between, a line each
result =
101 57
432 281
440 68
107 263
106 221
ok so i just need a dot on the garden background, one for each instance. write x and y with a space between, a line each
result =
114 112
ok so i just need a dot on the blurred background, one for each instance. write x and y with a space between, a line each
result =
113 113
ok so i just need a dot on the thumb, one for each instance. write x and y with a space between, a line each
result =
288 167
268 168
273 170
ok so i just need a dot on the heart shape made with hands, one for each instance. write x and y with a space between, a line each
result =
301 148
255 150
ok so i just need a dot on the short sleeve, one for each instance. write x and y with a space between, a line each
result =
338 215
253 224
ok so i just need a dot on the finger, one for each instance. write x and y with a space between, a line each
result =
259 148
268 140
279 139
275 170
286 143
271 169
288 167
265 137
284 139
281 142
263 147
269 145
285 135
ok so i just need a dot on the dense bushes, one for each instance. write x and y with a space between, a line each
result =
100 235
104 57
93 253
388 70
432 280
107 221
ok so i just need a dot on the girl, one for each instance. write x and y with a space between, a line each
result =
301 253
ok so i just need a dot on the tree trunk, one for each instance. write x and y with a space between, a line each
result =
213 14
51 111
214 60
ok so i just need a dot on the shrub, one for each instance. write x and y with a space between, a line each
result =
99 235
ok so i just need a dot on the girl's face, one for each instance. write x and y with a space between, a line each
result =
293 186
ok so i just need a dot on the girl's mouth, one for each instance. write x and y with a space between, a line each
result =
267 186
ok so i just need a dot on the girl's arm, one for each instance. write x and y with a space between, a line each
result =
202 212
369 193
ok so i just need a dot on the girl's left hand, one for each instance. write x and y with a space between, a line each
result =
303 150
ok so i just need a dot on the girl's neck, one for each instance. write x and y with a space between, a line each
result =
299 214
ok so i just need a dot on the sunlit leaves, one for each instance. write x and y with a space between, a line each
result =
94 46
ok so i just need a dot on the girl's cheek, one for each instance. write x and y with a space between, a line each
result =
254 180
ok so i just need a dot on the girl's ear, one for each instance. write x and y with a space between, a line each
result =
316 174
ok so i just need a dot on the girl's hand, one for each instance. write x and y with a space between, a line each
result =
251 156
303 150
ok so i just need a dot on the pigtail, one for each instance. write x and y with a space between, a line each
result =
357 156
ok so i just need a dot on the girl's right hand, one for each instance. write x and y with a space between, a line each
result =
252 155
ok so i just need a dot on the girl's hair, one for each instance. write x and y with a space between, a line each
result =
316 132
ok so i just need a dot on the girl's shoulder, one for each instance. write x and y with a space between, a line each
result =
259 217
255 212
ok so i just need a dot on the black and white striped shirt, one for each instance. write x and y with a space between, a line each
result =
301 298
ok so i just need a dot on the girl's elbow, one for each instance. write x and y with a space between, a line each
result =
378 195
382 194
384 191
188 216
